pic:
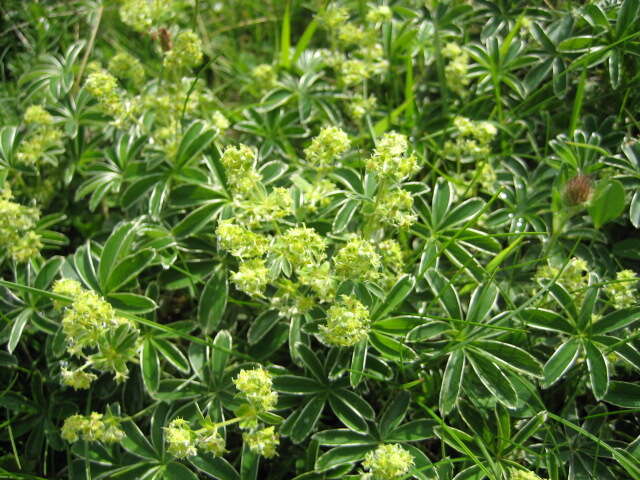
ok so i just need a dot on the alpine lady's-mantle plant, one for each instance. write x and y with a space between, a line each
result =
379 240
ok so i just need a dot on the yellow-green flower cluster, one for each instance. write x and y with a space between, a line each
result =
17 222
357 260
265 75
390 159
239 166
623 292
88 317
574 277
379 14
359 106
457 69
300 246
92 428
186 52
256 387
239 241
388 462
352 34
257 208
181 440
332 17
219 121
395 208
210 441
515 474
317 194
263 442
78 379
252 277
142 14
320 279
127 67
327 147
42 135
104 87
90 322
353 71
37 115
347 323
473 140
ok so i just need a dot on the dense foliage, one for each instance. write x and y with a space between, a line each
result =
246 239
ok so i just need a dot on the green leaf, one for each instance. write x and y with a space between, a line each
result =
213 301
561 361
19 323
343 436
394 413
623 394
598 370
627 16
345 214
616 320
132 302
195 220
493 379
442 198
445 293
221 348
398 326
285 37
462 213
342 456
177 471
311 362
262 326
510 356
307 418
608 202
396 296
150 366
127 269
195 139
451 381
482 301
48 273
172 353
136 443
348 415
427 331
117 246
414 431
297 385
249 464
390 347
358 362
528 429
588 303
546 320
215 467
634 210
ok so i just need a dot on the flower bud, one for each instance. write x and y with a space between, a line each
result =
578 190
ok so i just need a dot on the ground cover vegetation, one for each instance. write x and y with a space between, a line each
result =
318 239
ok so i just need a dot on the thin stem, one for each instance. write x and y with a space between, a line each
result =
87 52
